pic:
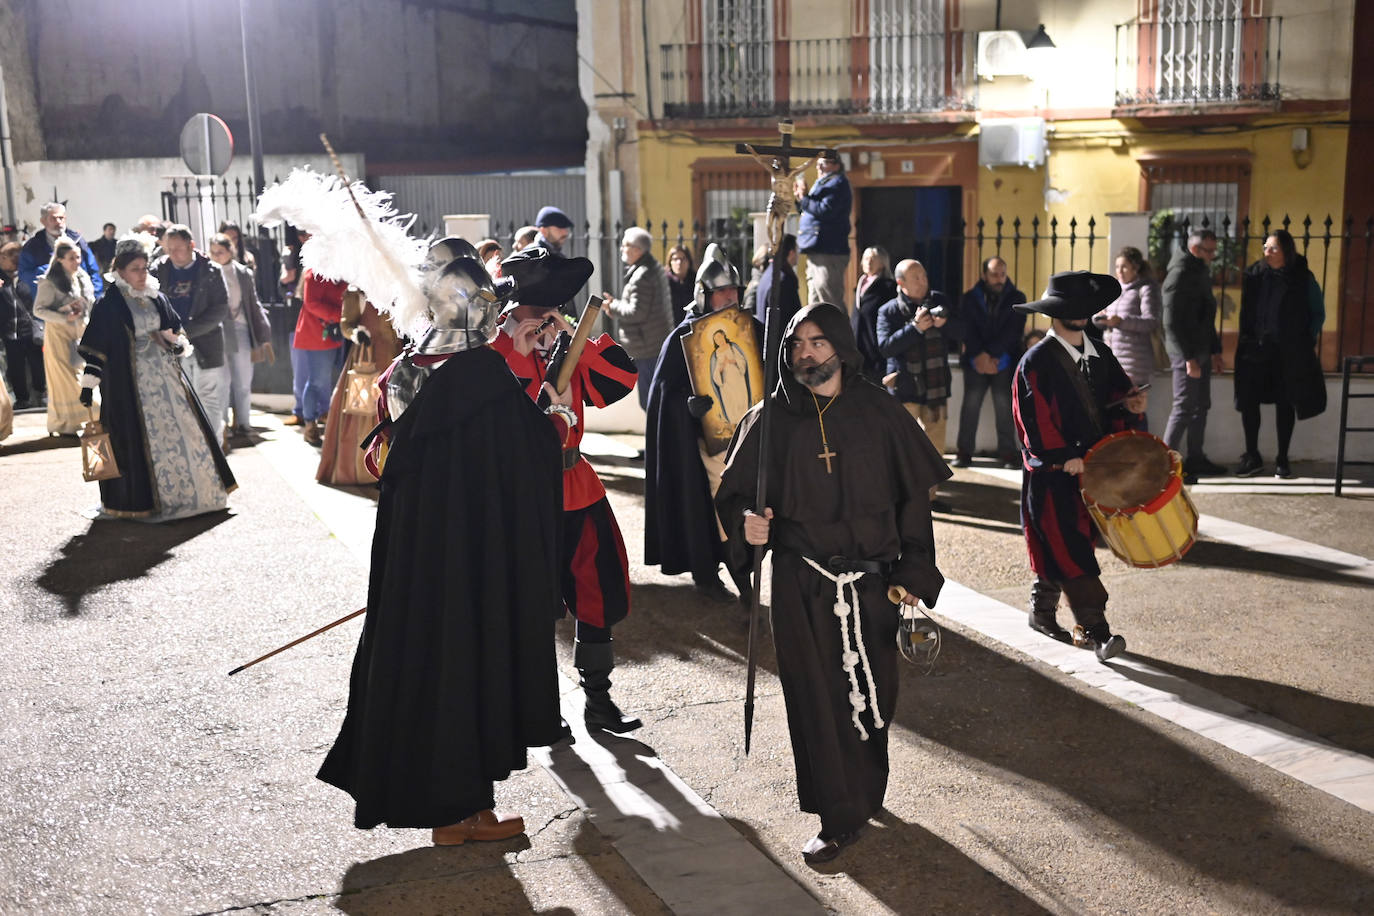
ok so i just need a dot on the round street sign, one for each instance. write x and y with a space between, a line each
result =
207 147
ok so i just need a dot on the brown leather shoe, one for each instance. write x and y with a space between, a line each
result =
484 826
292 420
312 433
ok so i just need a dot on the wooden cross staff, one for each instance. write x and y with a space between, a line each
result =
783 202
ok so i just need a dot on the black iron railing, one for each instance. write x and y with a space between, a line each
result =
1198 61
895 74
1339 254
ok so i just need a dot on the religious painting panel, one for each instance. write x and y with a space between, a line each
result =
724 363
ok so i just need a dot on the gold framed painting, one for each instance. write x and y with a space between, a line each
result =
724 363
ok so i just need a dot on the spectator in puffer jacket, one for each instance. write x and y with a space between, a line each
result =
1129 323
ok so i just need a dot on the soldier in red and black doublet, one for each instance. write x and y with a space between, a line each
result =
596 570
1061 390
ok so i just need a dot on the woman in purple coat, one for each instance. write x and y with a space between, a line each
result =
1130 322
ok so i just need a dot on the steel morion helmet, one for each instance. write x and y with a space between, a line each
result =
463 305
716 272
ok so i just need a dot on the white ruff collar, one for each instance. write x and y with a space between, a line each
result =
150 289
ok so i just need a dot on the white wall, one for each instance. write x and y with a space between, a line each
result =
121 190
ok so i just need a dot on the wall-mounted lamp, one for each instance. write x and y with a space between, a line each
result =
1302 147
1041 55
1040 41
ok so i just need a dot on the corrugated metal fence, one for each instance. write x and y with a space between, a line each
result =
510 198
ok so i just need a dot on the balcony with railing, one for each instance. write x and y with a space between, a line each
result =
1225 62
879 75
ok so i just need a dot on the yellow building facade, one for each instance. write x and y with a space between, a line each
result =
1220 110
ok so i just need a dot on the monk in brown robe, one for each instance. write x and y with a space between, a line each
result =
847 516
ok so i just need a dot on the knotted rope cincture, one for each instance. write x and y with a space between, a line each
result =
854 653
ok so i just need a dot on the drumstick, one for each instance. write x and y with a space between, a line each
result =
1119 401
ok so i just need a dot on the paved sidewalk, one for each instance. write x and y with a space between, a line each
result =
141 779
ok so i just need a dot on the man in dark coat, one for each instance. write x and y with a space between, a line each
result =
681 533
195 286
989 330
1064 385
36 254
911 336
1190 336
823 230
789 289
847 515
20 329
455 674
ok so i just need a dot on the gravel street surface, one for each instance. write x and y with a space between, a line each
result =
137 777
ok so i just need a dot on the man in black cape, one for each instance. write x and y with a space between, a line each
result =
848 511
1061 392
455 673
681 533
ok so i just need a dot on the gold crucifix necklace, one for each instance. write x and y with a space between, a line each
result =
826 454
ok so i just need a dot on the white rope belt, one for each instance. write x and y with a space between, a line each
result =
854 653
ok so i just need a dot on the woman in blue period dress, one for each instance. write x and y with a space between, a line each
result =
170 464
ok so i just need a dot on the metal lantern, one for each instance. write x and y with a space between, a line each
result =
97 454
360 389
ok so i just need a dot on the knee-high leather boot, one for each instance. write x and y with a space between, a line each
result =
1043 604
594 662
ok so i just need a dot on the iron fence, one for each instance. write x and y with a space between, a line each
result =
1340 253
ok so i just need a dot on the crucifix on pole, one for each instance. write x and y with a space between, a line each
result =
782 203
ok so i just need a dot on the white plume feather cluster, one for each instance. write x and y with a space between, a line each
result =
377 254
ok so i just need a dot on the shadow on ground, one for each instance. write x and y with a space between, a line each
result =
1345 724
114 550
1130 776
472 878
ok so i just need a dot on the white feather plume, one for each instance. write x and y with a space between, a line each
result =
374 252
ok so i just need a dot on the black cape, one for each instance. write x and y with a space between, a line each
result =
108 348
680 533
875 506
455 674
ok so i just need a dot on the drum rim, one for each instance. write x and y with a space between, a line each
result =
1160 499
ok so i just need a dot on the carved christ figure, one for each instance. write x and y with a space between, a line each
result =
782 203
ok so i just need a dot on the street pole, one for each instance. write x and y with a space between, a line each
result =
7 154
250 88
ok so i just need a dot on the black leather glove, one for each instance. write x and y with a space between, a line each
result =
86 396
698 405
361 337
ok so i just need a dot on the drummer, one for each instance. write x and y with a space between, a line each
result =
1069 393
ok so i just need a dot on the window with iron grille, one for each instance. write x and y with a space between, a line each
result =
737 55
1199 49
907 55
1210 190
725 192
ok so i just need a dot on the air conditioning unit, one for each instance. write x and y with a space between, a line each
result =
1011 141
1001 54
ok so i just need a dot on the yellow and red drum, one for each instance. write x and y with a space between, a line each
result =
1133 487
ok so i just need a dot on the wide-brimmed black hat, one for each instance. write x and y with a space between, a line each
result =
1075 294
543 279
